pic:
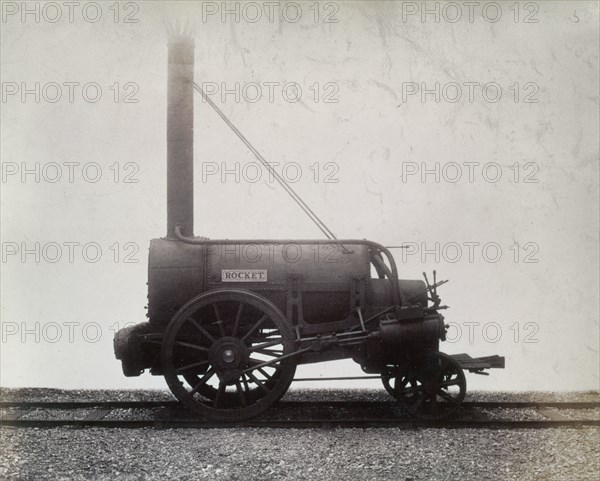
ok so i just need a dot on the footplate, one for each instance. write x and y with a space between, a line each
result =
478 364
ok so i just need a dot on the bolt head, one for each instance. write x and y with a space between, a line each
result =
228 356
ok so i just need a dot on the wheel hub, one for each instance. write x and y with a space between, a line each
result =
229 356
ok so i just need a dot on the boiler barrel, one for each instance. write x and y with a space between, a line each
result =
326 274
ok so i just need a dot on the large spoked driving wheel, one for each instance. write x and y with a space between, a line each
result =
432 388
225 355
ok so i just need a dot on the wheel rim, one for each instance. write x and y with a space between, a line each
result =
388 381
223 355
432 389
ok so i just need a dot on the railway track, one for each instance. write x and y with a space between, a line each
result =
292 414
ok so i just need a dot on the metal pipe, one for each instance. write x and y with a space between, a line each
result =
180 136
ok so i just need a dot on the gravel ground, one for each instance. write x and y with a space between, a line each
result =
578 413
309 454
55 414
526 414
287 454
53 395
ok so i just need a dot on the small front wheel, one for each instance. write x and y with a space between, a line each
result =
431 388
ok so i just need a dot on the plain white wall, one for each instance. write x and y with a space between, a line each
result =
371 56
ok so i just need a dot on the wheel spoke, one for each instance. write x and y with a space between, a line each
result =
201 329
403 383
256 381
273 362
241 393
189 366
435 406
268 352
236 323
245 381
275 342
452 382
258 364
400 387
255 327
220 393
410 390
442 370
210 373
192 346
218 322
266 374
447 397
418 402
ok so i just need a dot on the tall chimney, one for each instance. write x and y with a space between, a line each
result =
180 136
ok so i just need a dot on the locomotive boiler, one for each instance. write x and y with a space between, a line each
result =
229 320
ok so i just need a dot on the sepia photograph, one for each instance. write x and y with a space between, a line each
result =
300 240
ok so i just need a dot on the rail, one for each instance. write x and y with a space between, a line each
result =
290 414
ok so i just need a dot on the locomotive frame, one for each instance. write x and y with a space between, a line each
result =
227 333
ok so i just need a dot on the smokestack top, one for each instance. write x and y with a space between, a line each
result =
180 33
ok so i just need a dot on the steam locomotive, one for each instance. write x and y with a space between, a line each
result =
229 320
